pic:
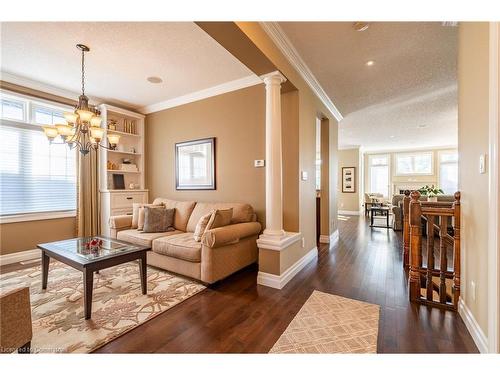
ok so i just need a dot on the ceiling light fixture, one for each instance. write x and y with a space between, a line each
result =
153 79
360 26
370 63
422 126
83 128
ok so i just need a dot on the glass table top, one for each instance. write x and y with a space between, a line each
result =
108 247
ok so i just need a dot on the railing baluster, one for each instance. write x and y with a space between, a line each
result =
430 256
415 212
443 230
406 229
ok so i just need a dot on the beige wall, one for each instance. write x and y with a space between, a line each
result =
25 235
237 120
410 179
349 201
473 112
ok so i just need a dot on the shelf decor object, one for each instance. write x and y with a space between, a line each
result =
83 128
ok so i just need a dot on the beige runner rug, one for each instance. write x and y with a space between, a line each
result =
117 304
331 324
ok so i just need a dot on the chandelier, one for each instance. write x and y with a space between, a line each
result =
83 128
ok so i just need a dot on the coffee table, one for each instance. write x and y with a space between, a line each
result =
383 211
74 253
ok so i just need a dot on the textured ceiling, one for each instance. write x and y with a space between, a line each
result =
412 82
122 56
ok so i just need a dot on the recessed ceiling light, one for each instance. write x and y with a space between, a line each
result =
392 136
154 79
422 126
370 63
360 26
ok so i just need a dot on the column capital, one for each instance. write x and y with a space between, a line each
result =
274 77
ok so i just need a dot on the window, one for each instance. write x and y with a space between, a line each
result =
13 109
35 177
379 174
448 171
414 164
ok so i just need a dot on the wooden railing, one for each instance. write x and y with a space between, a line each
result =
427 284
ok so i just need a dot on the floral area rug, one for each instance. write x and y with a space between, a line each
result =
327 323
117 304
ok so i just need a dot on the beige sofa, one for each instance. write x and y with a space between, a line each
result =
221 252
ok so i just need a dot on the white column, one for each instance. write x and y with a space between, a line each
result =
274 177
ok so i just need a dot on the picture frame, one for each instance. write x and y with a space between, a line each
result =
118 181
348 179
195 165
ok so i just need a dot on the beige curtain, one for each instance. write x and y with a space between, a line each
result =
88 211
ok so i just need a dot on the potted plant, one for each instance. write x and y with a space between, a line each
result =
431 192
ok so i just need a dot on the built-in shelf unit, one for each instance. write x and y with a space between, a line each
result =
130 127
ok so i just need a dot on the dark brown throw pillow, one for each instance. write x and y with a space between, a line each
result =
158 219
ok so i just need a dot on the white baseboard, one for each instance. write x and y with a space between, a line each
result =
329 239
20 256
279 281
351 213
473 327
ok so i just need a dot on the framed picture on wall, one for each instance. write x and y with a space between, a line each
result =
195 165
348 179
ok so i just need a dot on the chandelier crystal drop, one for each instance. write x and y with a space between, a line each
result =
83 128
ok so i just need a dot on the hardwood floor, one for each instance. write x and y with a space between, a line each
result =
237 316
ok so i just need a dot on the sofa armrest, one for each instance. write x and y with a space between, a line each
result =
120 222
15 319
229 234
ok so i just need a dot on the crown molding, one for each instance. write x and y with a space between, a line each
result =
44 87
278 36
223 88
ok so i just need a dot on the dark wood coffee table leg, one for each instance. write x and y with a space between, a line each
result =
371 217
88 285
45 269
387 219
143 273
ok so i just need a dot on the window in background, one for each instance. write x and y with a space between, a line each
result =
379 174
35 176
414 164
448 171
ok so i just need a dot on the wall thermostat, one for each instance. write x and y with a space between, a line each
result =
259 163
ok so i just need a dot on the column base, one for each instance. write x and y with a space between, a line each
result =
277 242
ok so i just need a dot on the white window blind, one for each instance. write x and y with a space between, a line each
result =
35 177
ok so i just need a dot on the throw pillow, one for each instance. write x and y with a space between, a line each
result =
201 226
140 219
158 219
136 207
220 218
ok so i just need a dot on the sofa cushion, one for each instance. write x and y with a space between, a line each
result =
201 226
183 210
181 246
158 219
138 214
139 238
220 218
242 212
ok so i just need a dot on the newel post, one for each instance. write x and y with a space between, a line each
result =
406 229
415 222
456 249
